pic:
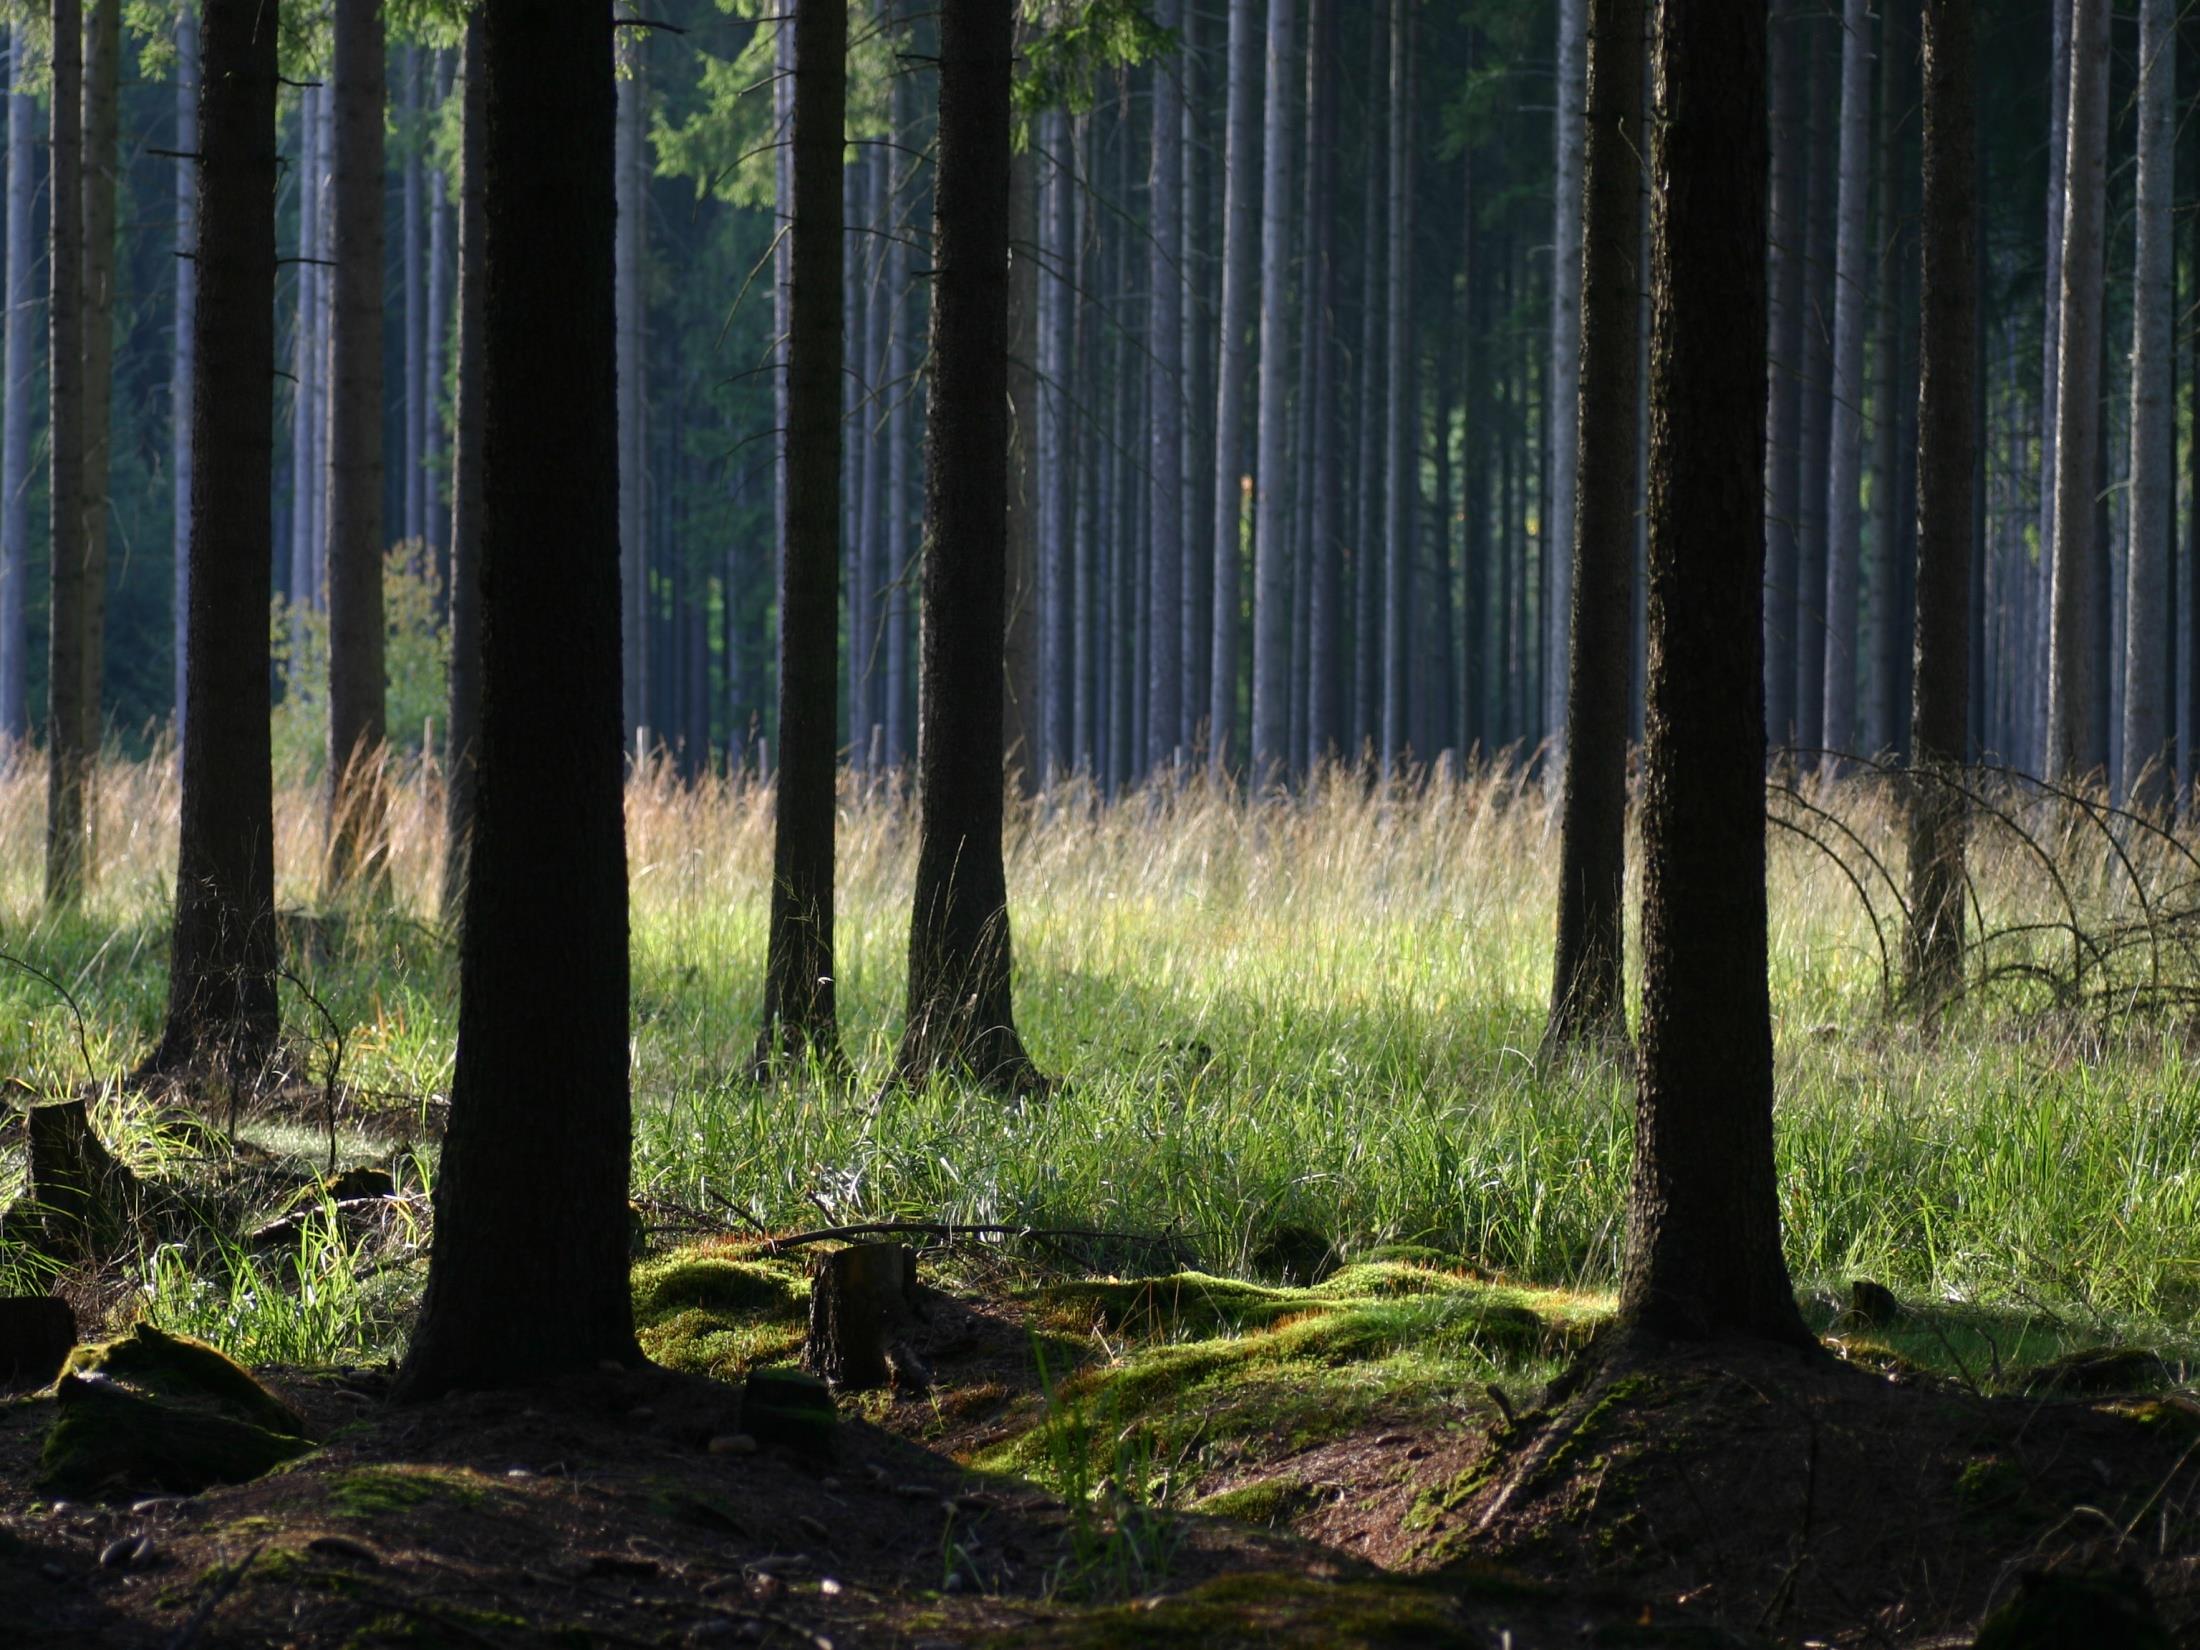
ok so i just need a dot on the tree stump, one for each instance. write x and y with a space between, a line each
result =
862 1307
37 1333
81 1195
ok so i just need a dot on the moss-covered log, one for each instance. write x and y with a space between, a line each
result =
107 1438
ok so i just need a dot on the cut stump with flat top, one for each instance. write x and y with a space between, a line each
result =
862 1307
83 1197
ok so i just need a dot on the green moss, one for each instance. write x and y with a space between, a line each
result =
703 1314
1271 1612
106 1438
179 1369
368 1492
1265 1502
1989 1484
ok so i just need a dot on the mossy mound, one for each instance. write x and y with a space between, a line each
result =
1271 1612
177 1369
108 1439
702 1313
370 1492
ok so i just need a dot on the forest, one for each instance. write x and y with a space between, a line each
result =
1083 823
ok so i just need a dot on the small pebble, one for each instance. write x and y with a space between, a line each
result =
954 1582
517 1472
155 1504
611 1366
916 1492
123 1552
641 1412
733 1443
829 1484
829 1587
816 1526
342 1546
52 1571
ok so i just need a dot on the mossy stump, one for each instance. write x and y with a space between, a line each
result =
862 1307
83 1197
790 1409
109 1438
178 1369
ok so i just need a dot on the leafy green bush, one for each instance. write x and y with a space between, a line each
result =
416 663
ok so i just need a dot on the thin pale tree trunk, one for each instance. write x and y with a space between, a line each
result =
1238 275
463 729
1845 459
1165 391
1278 332
2149 669
1563 386
68 756
1401 462
630 179
182 375
21 370
1324 504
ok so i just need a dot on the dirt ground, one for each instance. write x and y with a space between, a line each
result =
1722 1495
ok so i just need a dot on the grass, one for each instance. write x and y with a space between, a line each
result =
1317 1014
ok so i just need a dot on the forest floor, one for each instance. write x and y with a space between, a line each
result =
1350 1229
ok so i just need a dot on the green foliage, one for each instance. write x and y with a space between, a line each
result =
1074 44
416 662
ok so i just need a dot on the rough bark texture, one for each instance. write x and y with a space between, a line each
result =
1588 970
860 1309
222 1012
182 364
798 968
2075 749
1816 415
68 754
1401 462
1563 386
528 1275
2033 711
1165 422
21 369
1845 460
1325 653
102 55
1280 333
1703 1244
960 1015
309 361
1947 432
633 577
1239 247
1784 377
2149 679
414 402
1879 672
463 725
1020 646
357 802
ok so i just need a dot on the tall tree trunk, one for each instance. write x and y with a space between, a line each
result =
1880 673
960 1015
1196 262
1368 492
1817 390
901 427
309 359
437 450
21 370
102 66
1020 711
357 803
69 753
1703 1237
1563 387
182 364
410 276
1238 274
1784 404
799 999
1057 469
464 722
1278 326
1401 464
630 183
1844 463
1948 433
222 1013
1165 391
1587 978
2075 749
1325 655
2149 687
528 1275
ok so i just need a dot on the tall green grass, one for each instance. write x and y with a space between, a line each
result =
1319 1012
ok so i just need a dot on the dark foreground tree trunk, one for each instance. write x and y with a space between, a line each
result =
798 968
464 723
69 756
1703 1240
1947 440
1588 971
356 804
222 1011
960 1013
528 1276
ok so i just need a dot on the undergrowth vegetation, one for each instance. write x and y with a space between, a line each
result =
1291 1022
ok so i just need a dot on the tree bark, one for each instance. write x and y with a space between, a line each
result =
1020 662
2149 687
960 1015
181 374
901 427
633 493
1279 329
102 64
223 1018
1948 434
436 452
1587 978
1401 463
357 803
1844 463
1563 386
1367 512
21 370
1057 466
1238 274
309 359
2075 749
411 282
1784 396
1165 391
1325 502
528 1275
1880 671
799 999
1703 1241
463 725
1817 392
69 753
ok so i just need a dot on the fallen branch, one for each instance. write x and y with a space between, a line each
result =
947 1231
